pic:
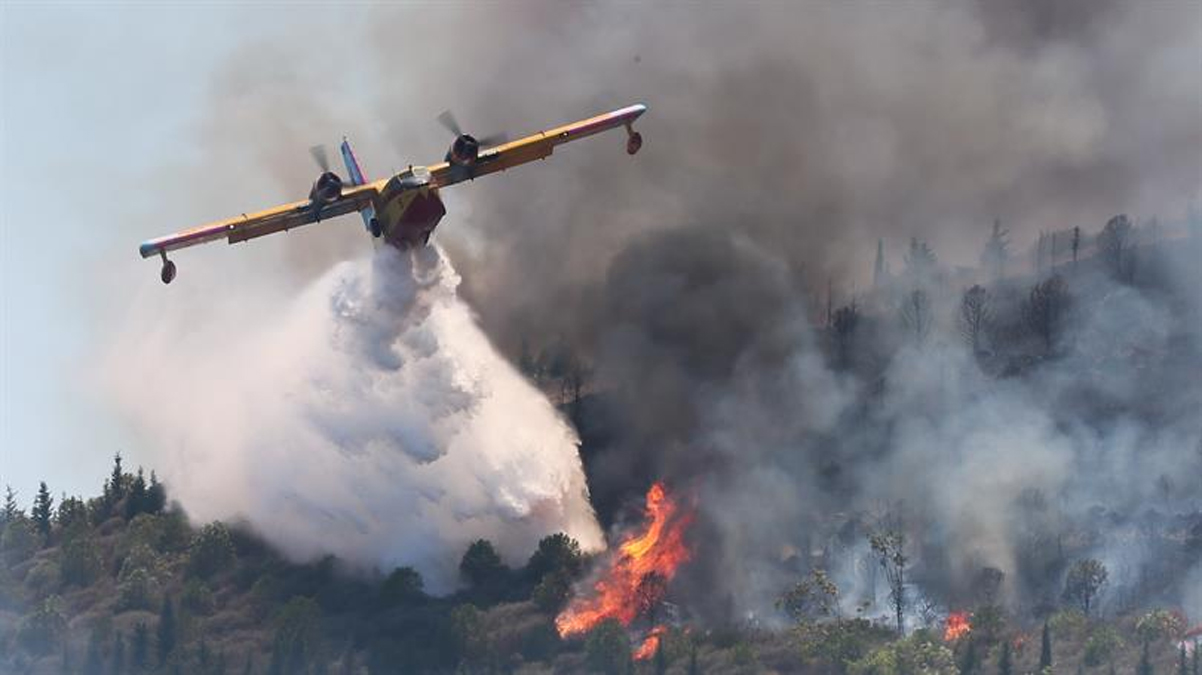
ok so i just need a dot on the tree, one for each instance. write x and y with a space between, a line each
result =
1045 310
1145 661
555 552
137 502
156 495
661 661
890 549
19 540
42 630
1045 648
997 250
481 565
141 646
296 636
976 312
10 511
166 631
116 482
43 509
844 324
1004 665
1114 245
916 314
694 669
814 597
117 661
607 648
79 560
211 551
1076 245
72 513
1084 581
403 585
94 661
920 261
1182 664
968 663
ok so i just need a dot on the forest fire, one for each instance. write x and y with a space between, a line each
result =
958 624
637 576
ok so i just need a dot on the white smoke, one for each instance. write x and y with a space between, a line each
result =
369 417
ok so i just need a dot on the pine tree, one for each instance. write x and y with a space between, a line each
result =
138 497
1145 662
969 664
166 630
43 509
1004 664
94 663
10 511
1182 665
156 495
117 662
141 646
116 484
1045 648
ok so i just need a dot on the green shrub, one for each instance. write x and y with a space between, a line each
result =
19 541
918 653
607 648
1159 624
838 642
403 585
80 561
136 589
197 598
41 632
1103 643
44 577
211 551
1068 622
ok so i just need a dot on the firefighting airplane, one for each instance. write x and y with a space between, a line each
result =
403 209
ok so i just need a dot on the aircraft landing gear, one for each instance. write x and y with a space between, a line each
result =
634 141
168 273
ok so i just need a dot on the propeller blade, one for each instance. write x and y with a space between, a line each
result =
448 120
494 140
321 156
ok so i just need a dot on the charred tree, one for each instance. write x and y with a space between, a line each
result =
976 312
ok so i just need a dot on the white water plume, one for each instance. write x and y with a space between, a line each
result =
371 419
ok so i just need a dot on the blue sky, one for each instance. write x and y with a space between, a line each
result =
93 100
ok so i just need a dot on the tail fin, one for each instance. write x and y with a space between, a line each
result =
355 173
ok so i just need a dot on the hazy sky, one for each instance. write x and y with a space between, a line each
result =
95 101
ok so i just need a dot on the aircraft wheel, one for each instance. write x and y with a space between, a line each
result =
634 142
168 273
376 231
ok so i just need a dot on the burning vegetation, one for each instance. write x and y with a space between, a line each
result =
633 582
958 625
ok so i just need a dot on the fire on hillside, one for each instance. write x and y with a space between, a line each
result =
634 580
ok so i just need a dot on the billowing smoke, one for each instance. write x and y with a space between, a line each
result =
369 418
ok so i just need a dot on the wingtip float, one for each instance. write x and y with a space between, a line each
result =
405 208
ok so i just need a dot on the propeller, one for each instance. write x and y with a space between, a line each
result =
321 156
447 119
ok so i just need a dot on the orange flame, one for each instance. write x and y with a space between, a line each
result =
958 625
635 578
650 644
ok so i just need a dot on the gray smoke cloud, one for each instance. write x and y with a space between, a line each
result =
782 141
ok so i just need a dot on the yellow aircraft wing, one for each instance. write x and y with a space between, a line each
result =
251 225
538 146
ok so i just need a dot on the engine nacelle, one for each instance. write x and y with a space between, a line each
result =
326 188
464 150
